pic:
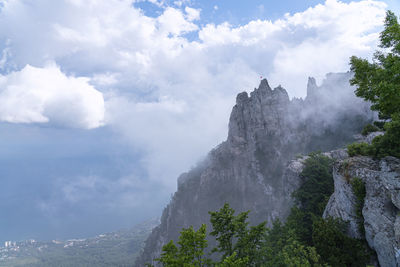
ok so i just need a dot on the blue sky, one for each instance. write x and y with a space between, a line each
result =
235 12
104 103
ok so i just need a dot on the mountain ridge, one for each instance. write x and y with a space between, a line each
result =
248 170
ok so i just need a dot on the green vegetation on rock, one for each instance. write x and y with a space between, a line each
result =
306 239
335 247
191 249
382 145
379 83
358 188
369 128
362 149
317 187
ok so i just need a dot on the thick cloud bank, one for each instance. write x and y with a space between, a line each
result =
168 80
163 83
41 95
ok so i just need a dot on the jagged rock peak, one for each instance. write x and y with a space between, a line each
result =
241 98
248 170
311 87
279 90
264 85
262 92
265 110
311 82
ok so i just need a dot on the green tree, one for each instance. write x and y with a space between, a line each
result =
379 83
300 222
336 248
275 240
234 236
283 248
314 193
295 254
170 255
225 227
312 196
389 143
233 261
190 252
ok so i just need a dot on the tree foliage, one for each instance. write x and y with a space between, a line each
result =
363 149
295 254
369 128
312 196
233 261
336 248
358 188
317 187
379 83
284 248
235 237
382 145
389 143
306 239
190 252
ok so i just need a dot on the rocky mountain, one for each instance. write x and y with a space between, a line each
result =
254 169
381 207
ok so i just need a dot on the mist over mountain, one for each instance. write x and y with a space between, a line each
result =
104 103
112 110
250 169
69 183
258 168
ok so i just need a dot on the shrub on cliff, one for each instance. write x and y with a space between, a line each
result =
379 83
369 128
306 239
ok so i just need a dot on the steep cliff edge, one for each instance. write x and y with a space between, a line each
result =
381 207
248 170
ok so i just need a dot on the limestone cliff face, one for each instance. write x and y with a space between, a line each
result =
254 168
381 210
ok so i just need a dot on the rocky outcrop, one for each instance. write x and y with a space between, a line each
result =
381 210
254 168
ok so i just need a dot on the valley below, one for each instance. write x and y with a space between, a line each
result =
118 248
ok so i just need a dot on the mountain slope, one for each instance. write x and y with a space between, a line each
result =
248 170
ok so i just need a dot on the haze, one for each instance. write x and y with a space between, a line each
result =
104 103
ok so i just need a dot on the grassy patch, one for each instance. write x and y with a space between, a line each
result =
358 188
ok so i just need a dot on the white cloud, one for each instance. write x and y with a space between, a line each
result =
4 55
192 13
178 3
173 21
172 134
252 33
169 95
310 43
39 95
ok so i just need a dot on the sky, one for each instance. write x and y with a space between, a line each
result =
104 103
